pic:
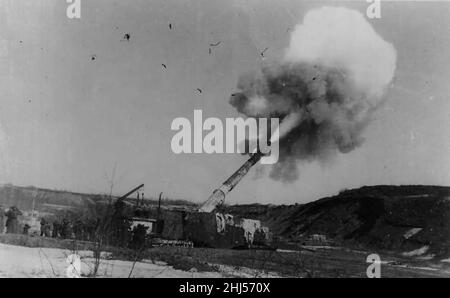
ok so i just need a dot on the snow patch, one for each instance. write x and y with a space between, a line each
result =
412 232
19 262
416 252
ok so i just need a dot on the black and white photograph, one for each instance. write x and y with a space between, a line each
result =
245 140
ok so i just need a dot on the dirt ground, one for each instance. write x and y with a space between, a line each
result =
312 262
181 262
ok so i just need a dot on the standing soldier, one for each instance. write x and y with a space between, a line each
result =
48 229
65 229
26 227
78 229
43 223
56 228
2 219
12 223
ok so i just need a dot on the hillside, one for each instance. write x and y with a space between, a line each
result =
398 218
44 200
48 200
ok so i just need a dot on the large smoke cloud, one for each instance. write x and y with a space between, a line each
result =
325 89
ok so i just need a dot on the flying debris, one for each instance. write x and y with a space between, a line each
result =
262 53
165 66
93 57
199 90
170 26
126 37
215 44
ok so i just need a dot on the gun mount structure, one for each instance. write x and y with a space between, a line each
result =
205 227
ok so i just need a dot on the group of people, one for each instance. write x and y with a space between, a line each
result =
10 220
117 228
64 228
67 229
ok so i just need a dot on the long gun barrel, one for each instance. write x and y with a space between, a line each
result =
218 196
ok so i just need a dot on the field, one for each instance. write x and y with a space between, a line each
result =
408 226
21 262
26 261
313 262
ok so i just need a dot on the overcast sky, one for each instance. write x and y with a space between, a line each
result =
66 119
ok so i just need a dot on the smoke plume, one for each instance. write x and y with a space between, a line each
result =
324 90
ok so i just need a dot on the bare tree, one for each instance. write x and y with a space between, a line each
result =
103 225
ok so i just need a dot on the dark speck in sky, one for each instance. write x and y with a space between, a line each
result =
262 53
127 36
215 44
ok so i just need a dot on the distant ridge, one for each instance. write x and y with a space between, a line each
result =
398 218
47 200
41 199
